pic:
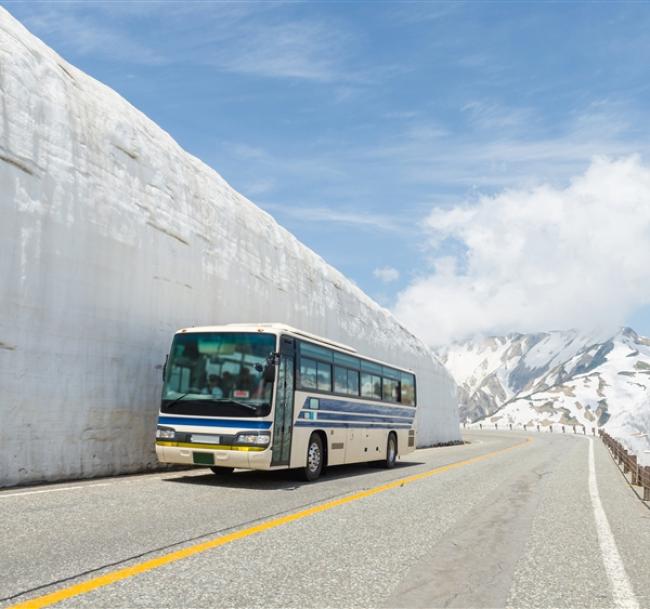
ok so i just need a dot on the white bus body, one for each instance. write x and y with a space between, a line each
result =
268 396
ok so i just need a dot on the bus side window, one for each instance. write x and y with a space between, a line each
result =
370 386
391 390
340 380
346 381
408 389
324 376
307 373
353 382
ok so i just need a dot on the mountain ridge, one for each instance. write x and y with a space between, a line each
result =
566 377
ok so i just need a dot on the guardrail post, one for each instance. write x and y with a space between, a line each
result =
634 466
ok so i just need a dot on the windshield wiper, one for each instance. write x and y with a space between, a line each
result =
178 399
238 403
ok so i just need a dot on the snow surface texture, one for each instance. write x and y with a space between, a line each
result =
557 377
113 237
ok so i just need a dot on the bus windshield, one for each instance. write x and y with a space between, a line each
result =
218 374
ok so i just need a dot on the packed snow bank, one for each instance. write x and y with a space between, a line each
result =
112 238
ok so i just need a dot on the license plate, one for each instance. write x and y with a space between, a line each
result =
203 458
205 439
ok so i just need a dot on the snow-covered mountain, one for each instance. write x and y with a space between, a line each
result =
556 377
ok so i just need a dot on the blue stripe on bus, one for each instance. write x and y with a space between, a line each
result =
215 423
345 406
304 423
333 416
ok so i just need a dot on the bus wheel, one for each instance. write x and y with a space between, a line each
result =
222 471
314 465
391 451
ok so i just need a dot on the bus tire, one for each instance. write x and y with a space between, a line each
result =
222 471
391 451
314 458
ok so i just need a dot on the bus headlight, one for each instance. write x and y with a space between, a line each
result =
165 433
256 439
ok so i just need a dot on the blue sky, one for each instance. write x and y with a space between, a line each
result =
356 124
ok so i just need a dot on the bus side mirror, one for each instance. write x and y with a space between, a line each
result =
164 368
272 359
269 373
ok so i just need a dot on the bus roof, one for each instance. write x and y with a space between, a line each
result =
276 328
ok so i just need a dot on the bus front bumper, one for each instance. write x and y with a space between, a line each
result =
185 453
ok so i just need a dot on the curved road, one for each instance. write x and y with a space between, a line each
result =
508 520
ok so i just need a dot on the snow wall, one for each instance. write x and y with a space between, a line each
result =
111 238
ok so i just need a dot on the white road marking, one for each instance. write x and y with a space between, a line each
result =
51 490
621 588
120 480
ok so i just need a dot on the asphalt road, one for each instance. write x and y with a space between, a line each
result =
508 520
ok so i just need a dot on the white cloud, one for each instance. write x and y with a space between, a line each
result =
257 187
337 216
500 146
538 259
386 274
249 153
72 31
493 116
253 38
305 50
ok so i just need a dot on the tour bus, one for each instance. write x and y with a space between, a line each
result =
269 396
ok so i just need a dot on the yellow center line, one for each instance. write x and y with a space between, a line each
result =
154 563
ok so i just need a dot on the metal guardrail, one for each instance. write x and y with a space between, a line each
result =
550 428
639 474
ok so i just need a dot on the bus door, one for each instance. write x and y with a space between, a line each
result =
283 419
